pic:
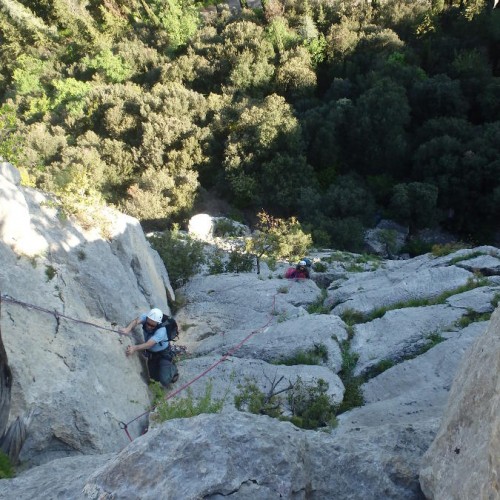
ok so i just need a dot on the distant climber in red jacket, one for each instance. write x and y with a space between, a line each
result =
300 271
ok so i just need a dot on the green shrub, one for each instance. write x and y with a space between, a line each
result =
319 267
447 248
6 470
310 406
251 399
50 272
184 407
225 228
216 263
239 262
182 255
416 246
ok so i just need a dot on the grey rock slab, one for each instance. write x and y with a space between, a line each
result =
217 305
466 254
59 479
479 300
488 265
283 340
224 377
390 286
464 458
416 389
399 333
249 456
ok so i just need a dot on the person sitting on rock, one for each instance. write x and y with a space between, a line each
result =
156 347
299 272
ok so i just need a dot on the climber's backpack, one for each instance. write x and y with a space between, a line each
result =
172 328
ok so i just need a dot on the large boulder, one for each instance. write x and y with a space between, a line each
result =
464 459
248 456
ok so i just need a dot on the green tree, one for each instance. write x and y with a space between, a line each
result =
10 142
180 19
415 204
438 96
276 238
377 134
264 156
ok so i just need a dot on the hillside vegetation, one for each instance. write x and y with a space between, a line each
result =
335 112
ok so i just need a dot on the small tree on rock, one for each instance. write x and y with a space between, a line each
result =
276 238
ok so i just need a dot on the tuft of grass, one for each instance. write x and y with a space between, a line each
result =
375 370
318 306
447 248
50 272
283 289
352 317
354 268
353 396
472 317
461 258
495 300
315 356
472 283
6 469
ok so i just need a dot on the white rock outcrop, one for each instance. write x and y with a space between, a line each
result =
464 459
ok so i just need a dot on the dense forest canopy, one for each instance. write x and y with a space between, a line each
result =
337 112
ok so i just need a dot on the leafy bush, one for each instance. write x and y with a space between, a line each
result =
319 267
184 407
216 263
183 256
309 406
239 262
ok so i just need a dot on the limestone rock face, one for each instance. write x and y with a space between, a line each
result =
464 459
72 378
248 456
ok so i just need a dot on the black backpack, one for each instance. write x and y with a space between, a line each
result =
171 326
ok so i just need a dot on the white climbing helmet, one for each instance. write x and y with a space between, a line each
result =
302 263
155 315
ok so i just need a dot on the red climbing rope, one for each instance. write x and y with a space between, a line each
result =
55 313
124 426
